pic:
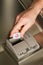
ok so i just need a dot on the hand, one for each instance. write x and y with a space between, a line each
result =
23 22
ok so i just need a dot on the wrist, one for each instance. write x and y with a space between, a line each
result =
41 3
37 8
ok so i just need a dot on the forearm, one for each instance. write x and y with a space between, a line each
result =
36 7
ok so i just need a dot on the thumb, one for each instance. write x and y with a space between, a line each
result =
17 19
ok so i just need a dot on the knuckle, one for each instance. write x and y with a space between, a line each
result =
17 17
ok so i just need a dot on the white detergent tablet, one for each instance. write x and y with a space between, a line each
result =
16 36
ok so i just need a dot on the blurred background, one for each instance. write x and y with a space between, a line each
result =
9 10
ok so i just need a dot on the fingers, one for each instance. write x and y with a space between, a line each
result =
17 19
24 29
12 32
15 30
17 27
